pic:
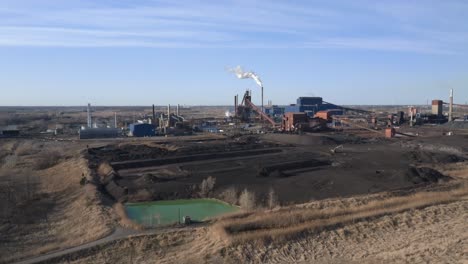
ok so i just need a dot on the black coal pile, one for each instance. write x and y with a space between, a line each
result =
425 175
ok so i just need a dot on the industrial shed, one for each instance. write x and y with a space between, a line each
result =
142 130
89 133
9 131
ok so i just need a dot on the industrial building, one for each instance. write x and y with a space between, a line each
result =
91 133
310 106
274 110
142 130
296 122
292 120
309 114
9 131
437 107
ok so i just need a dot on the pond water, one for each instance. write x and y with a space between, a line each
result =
152 214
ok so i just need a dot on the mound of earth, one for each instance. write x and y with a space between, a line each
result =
424 175
306 139
433 157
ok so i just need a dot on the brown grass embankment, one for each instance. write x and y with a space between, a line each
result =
56 211
289 222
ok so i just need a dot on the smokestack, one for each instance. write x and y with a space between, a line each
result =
168 115
154 117
261 117
161 123
451 106
235 105
115 119
177 110
89 116
161 120
241 74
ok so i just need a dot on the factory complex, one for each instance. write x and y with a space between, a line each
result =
308 114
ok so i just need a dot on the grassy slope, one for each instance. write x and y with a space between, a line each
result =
58 212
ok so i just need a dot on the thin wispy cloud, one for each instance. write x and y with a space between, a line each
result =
363 25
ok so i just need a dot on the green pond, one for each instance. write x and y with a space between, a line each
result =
151 214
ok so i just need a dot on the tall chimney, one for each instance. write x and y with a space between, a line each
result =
261 117
154 117
168 115
89 116
451 106
177 110
115 119
235 105
161 120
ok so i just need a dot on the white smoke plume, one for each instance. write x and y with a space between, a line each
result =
241 74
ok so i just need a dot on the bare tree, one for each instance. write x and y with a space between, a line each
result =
272 199
247 200
229 195
207 186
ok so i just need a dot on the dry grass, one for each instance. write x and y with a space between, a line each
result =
289 222
338 229
158 248
26 148
457 170
58 213
104 169
47 159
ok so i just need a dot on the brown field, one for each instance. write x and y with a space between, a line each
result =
46 209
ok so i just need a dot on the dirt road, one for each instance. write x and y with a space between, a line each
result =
119 233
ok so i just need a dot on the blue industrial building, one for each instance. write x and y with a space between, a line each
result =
142 130
310 106
274 110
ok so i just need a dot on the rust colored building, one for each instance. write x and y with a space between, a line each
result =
325 115
389 132
291 121
437 106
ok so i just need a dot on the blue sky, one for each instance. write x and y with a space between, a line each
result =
55 52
